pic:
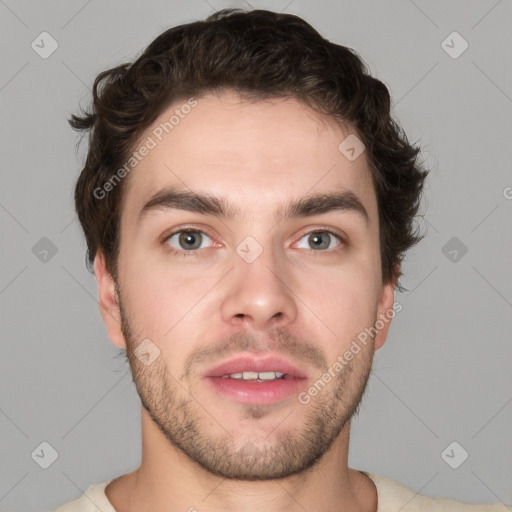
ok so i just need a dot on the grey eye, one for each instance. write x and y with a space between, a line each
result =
188 240
320 240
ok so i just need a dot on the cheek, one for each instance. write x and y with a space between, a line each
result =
163 310
162 302
343 299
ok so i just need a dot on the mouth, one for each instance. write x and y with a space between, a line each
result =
250 380
257 376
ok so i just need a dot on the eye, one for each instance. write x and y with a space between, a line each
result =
188 240
321 240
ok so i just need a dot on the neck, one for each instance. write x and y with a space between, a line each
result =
168 480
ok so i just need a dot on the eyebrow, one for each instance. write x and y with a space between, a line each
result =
207 204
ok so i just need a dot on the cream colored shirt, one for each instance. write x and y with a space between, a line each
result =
392 497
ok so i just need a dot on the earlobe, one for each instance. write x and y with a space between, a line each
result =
108 301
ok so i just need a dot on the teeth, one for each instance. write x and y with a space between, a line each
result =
261 376
267 375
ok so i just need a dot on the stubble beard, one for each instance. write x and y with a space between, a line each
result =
184 422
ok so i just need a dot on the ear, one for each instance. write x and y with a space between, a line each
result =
109 306
386 312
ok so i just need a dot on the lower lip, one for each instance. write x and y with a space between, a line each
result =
253 392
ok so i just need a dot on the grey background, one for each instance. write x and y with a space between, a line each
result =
444 374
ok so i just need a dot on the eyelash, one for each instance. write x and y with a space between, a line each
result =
194 252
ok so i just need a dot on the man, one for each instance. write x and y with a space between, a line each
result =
247 202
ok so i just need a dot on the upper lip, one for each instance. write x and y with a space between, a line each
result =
247 363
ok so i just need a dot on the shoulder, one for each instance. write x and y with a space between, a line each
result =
393 496
91 500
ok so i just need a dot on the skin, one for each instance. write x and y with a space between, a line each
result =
202 450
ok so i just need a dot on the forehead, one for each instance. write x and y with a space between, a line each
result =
259 153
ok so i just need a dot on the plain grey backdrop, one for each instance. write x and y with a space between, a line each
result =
437 416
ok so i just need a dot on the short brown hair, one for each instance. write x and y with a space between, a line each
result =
261 54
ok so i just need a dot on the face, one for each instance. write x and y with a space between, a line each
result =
280 288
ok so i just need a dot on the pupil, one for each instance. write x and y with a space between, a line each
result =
189 238
316 239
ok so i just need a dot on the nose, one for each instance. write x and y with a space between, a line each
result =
259 296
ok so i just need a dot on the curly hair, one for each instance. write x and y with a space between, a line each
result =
259 54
